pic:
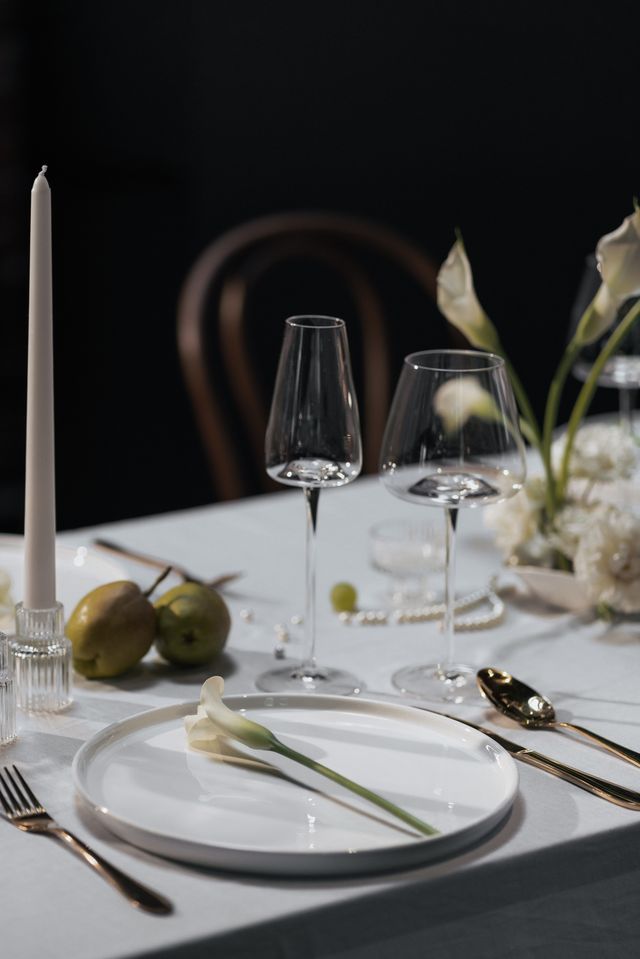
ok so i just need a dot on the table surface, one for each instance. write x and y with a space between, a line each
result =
558 874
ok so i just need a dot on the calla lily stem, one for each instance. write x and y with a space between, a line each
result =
588 389
550 420
372 797
523 402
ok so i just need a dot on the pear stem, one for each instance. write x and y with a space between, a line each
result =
163 575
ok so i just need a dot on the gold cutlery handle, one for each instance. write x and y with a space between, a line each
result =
156 563
137 894
140 557
593 784
622 751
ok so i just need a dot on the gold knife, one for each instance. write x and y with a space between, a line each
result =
216 583
619 795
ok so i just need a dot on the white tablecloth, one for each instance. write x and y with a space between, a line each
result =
559 877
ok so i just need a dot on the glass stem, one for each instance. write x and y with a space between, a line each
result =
312 495
451 520
627 398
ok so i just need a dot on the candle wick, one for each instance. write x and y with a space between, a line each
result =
44 169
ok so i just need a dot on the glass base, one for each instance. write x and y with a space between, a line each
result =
452 684
41 657
304 678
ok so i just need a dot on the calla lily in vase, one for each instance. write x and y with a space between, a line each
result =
215 726
568 519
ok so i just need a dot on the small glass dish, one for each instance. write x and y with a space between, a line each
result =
409 553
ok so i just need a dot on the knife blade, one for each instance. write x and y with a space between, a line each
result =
603 788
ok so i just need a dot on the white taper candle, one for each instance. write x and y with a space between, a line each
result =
40 512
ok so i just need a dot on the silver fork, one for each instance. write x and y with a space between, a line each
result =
23 810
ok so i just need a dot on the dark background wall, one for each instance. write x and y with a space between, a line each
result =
164 123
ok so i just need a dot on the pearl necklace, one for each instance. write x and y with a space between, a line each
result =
422 614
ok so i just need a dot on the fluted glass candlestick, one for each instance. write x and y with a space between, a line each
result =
41 656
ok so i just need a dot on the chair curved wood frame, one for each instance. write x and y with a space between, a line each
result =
235 261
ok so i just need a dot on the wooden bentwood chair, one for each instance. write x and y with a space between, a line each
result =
231 312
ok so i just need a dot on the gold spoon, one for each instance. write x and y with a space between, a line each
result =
184 574
534 711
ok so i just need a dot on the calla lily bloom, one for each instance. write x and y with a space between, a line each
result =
214 721
458 301
458 399
226 722
618 256
618 259
598 316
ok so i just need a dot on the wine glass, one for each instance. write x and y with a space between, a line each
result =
622 370
313 441
452 440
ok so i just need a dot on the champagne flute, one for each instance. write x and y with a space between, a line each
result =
313 441
452 440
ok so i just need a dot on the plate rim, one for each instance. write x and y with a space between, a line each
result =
288 862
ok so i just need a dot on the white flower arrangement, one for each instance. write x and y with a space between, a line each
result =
564 519
589 534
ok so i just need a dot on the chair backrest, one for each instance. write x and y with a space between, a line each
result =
231 312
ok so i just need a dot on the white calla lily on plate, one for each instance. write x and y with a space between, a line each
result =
214 721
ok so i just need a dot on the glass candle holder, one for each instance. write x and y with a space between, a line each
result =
7 694
41 656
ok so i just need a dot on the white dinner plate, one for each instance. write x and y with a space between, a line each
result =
149 788
79 569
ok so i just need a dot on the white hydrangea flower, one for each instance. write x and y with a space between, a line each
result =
516 523
537 551
600 453
607 560
569 525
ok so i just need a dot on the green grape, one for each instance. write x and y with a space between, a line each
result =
344 598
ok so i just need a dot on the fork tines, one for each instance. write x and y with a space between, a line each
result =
15 795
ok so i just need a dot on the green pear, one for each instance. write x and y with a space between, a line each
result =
192 624
111 629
